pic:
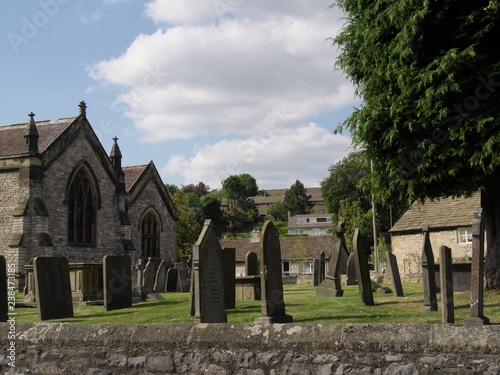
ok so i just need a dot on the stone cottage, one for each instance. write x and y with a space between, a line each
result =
61 194
450 224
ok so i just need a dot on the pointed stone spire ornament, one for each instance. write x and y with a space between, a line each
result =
116 155
31 136
83 108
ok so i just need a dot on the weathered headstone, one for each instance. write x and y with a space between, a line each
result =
182 283
192 304
446 275
316 272
273 305
172 277
53 288
362 271
351 271
148 276
394 273
117 282
331 286
161 278
428 273
229 255
322 266
477 273
208 274
3 290
251 264
381 289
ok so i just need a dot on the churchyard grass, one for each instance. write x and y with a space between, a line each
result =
300 302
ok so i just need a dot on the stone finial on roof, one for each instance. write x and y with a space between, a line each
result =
83 108
31 136
116 155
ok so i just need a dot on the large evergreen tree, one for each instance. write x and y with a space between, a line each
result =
429 74
296 199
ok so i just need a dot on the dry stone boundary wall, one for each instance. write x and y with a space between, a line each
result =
244 349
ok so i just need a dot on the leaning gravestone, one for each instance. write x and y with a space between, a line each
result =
351 271
117 282
477 273
331 286
229 255
53 288
362 271
161 278
251 264
428 273
148 276
322 266
172 276
446 274
394 272
208 274
273 306
3 290
316 272
182 283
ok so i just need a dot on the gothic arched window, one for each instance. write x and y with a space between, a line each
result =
150 235
82 208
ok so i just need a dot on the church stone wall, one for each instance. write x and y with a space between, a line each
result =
150 197
55 183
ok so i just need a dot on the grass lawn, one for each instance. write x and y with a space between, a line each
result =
300 302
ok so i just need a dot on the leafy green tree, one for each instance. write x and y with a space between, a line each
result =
172 189
296 199
249 185
238 190
188 227
429 75
200 190
278 211
356 216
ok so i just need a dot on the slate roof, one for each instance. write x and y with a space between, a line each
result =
132 174
12 136
291 247
442 214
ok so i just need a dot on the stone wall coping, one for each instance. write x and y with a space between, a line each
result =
381 337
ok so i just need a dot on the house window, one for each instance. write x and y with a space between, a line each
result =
464 235
316 231
306 267
150 234
82 208
321 212
298 231
321 219
286 267
408 266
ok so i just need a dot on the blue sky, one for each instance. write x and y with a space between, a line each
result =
205 89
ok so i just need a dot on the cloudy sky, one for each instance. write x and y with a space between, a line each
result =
205 89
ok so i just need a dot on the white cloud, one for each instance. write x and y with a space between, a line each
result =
96 16
276 158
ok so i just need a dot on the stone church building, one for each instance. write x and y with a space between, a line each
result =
61 194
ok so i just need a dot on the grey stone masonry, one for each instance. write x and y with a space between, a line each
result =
446 276
73 348
428 273
394 272
362 272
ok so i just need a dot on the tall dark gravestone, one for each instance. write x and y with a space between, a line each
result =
331 286
477 273
171 282
208 267
316 272
362 271
428 273
394 272
251 264
149 276
53 288
322 266
229 255
351 270
117 282
3 290
446 275
161 278
273 305
182 283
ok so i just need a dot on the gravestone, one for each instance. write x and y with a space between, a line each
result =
381 289
191 306
477 273
208 274
161 278
53 288
362 271
182 282
394 273
117 282
322 266
428 273
316 272
3 289
351 271
251 264
331 286
229 255
172 277
273 306
445 267
148 276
